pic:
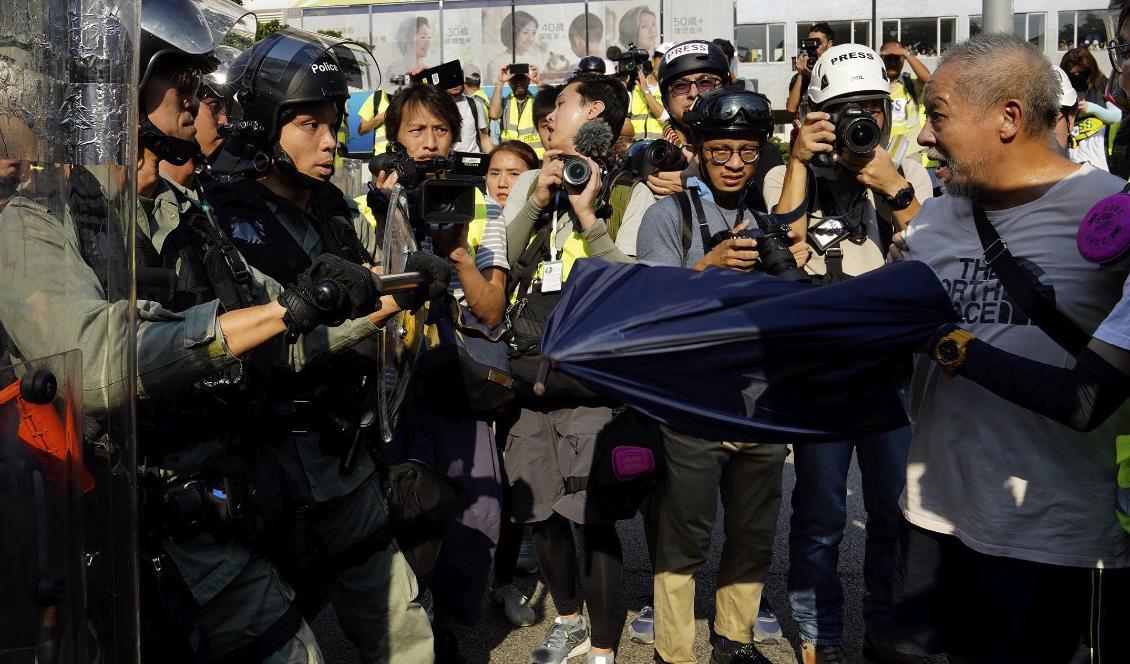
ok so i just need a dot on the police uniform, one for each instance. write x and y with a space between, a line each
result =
374 593
238 595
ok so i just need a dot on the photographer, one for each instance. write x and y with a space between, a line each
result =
518 123
631 72
820 38
855 203
372 114
424 121
474 136
549 444
906 117
728 128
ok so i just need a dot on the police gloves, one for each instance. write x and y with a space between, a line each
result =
437 273
330 292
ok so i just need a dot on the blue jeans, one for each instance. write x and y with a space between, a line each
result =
817 527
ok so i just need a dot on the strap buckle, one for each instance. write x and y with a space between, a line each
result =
995 250
835 253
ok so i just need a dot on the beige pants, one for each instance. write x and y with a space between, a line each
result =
749 478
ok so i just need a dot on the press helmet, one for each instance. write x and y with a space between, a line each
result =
730 109
848 72
690 57
1067 94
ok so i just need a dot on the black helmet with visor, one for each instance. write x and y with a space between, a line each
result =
730 110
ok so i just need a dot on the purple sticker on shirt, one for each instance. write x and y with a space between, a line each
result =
1104 235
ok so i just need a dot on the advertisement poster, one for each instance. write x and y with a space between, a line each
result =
406 38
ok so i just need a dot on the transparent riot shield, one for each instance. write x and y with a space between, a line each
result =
403 334
42 481
68 163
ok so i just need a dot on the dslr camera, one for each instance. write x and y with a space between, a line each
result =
630 60
575 171
441 189
856 132
772 245
646 158
808 48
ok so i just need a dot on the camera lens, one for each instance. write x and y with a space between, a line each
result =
776 259
577 172
861 135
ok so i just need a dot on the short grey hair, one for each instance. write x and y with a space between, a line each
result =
1001 66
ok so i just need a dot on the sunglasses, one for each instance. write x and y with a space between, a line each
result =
704 84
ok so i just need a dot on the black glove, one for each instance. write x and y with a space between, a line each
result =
436 271
330 292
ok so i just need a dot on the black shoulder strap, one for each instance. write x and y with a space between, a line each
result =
1021 286
474 113
522 272
686 225
703 228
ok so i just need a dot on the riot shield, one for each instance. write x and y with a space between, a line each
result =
402 335
42 479
68 164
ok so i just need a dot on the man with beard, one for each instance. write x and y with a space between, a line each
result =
1013 536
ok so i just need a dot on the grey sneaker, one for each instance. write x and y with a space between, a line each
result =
562 642
515 605
767 629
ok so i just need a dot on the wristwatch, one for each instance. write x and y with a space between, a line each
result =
949 352
902 198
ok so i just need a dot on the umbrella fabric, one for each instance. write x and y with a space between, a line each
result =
726 355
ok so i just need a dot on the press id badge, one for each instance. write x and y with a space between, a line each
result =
551 276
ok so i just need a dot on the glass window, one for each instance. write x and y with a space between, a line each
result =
1036 30
861 32
760 42
1018 23
920 35
1083 28
974 26
947 33
891 30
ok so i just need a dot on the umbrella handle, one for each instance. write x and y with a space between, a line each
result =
544 367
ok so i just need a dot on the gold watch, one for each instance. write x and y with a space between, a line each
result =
949 352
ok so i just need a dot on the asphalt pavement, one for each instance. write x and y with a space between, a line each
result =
496 641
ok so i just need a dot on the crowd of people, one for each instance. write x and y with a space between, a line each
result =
997 522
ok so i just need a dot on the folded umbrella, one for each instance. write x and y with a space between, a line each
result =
726 355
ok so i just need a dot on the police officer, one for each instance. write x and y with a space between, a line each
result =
518 119
282 217
200 318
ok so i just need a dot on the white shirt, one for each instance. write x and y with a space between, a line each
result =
469 134
1006 481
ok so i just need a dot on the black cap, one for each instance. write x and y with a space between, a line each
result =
591 63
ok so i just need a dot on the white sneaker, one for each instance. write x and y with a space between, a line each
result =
515 605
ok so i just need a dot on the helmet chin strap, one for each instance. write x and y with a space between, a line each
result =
285 164
176 151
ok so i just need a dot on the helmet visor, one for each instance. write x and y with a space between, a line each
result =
199 26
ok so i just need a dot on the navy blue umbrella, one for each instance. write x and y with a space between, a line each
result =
727 355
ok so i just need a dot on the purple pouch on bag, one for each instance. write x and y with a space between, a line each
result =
629 462
1104 234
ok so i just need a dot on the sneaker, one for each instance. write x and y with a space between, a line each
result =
810 653
876 651
593 658
563 641
515 605
767 629
642 627
527 562
725 651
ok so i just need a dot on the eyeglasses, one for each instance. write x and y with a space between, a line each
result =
719 156
1118 53
216 106
704 84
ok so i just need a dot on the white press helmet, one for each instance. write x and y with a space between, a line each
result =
848 72
1067 94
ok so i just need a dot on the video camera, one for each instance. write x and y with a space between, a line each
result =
444 187
630 60
809 48
856 132
646 158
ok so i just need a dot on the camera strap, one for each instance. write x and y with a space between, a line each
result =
1025 289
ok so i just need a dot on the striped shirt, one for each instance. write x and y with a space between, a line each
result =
491 251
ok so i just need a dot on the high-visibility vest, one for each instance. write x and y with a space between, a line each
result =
481 94
518 124
646 125
1122 459
907 117
368 112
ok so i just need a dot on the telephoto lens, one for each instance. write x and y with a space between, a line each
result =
775 257
576 171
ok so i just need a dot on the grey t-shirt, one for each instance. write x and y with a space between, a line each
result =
660 238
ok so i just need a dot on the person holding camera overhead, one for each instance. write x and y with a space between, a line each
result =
858 196
422 123
820 38
516 112
727 128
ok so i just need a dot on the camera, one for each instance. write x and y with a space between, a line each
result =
772 245
809 48
649 157
441 189
519 69
630 60
399 79
856 131
575 171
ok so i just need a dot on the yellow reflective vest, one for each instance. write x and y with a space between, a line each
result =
518 124
907 116
368 112
646 125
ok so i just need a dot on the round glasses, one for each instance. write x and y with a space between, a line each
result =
1118 53
704 84
719 156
